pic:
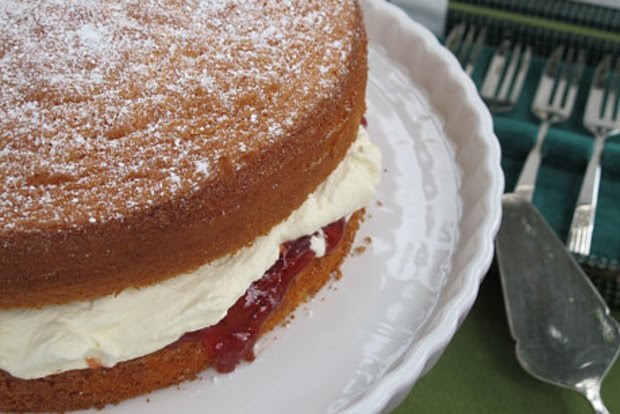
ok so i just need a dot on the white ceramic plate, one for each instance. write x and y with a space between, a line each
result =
362 342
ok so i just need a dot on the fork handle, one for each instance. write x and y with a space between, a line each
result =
526 183
589 186
582 224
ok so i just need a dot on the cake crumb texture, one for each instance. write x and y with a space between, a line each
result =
140 100
142 139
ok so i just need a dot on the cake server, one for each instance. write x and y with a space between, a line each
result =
563 330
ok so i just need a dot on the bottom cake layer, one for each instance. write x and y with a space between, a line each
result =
181 361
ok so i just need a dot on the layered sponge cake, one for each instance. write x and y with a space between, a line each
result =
175 177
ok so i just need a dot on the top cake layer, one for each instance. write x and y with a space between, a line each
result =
141 100
143 138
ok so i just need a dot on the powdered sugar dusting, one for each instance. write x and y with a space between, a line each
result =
115 105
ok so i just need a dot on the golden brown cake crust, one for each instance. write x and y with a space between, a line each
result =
180 362
139 145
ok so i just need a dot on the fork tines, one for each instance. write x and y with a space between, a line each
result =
559 83
505 76
613 113
466 43
601 110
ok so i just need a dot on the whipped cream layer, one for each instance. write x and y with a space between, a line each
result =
38 342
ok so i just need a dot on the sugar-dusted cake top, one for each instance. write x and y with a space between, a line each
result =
111 106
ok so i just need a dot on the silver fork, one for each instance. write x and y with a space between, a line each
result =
502 85
466 43
554 102
602 118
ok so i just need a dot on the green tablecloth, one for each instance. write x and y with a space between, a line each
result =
479 373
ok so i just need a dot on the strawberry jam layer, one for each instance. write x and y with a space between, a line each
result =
233 338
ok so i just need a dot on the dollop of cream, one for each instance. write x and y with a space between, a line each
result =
38 342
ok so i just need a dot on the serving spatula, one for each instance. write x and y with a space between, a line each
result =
563 330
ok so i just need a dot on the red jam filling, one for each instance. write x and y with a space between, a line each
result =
233 338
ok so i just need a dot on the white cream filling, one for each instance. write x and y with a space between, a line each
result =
318 244
136 322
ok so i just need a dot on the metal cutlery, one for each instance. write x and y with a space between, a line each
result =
553 102
602 119
507 71
466 44
505 76
563 330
